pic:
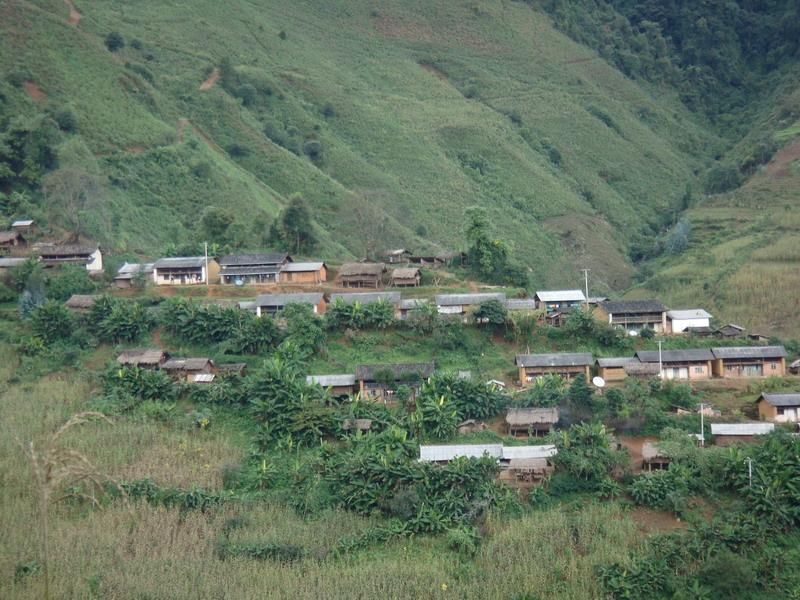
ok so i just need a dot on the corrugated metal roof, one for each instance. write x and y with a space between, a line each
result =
467 299
619 361
692 313
412 303
742 428
446 453
128 270
240 260
790 399
693 355
6 263
561 296
745 352
367 297
521 304
633 306
531 416
523 452
302 267
203 377
342 380
180 262
284 299
23 223
559 359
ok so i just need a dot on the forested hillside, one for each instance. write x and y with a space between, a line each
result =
585 129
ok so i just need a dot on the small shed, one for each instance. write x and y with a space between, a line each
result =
726 434
340 385
680 321
357 424
272 304
378 382
12 241
398 255
641 370
779 407
613 369
794 367
529 470
304 272
653 457
23 225
361 275
521 305
128 272
186 368
81 303
410 305
531 421
731 330
406 277
144 358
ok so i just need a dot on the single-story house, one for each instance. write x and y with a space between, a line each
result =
749 361
362 274
757 337
439 260
460 304
128 272
144 358
185 270
23 225
613 369
379 382
409 305
555 319
400 255
531 421
304 272
731 330
406 277
87 256
680 364
681 321
11 263
252 269
726 434
779 408
357 424
271 304
12 242
186 368
558 300
339 385
640 370
446 453
362 298
563 364
521 305
653 457
634 315
81 303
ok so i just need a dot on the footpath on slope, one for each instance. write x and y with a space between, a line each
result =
210 81
74 16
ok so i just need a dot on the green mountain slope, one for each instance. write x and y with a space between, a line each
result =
420 109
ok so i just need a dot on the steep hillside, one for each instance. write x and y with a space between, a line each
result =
389 121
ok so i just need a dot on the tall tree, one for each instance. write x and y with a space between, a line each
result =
294 228
73 190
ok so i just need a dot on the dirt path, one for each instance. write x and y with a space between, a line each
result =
210 81
74 16
34 91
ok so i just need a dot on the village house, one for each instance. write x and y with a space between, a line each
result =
524 464
443 454
360 275
564 364
531 421
653 457
144 358
304 273
779 407
271 304
252 269
128 273
406 277
339 385
185 270
190 370
634 315
398 256
680 364
81 303
613 369
439 260
362 298
726 434
749 361
86 256
379 382
12 242
558 300
731 330
686 321
640 370
23 225
461 304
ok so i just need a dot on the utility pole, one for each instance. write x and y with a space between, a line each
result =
750 471
660 363
205 251
702 428
586 284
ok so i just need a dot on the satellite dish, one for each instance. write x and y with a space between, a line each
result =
238 281
599 382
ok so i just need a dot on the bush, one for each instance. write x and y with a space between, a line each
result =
328 111
722 178
663 490
247 93
313 149
52 322
114 41
66 120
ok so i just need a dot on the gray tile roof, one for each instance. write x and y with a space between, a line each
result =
742 428
6 262
250 270
284 299
302 267
748 352
342 380
791 399
561 296
129 270
240 260
618 361
56 251
559 359
180 262
521 304
467 299
698 355
367 297
186 364
633 306
400 370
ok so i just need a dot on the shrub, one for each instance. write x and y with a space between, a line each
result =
282 34
114 41
52 322
664 490
247 93
238 151
328 111
313 149
722 178
66 120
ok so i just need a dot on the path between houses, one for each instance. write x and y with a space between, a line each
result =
210 81
74 16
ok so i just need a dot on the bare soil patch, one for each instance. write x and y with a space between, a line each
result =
634 447
655 520
210 81
780 165
74 16
33 90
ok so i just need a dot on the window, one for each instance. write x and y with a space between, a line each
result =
774 366
699 370
780 410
